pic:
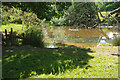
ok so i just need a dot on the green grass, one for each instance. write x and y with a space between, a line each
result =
53 63
16 27
58 63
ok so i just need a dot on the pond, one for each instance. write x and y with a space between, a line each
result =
66 35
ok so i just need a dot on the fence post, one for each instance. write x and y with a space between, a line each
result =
23 35
5 34
11 31
2 37
11 36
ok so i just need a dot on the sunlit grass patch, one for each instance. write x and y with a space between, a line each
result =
19 28
16 27
106 65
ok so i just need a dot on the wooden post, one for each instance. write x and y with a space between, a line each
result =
5 34
11 36
31 33
11 31
23 35
2 37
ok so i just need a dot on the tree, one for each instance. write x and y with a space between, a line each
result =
108 6
82 14
42 9
15 15
114 19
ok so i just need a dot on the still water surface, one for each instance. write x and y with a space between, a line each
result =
61 36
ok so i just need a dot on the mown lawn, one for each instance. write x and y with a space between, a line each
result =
31 62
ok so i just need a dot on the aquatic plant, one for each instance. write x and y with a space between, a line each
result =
116 42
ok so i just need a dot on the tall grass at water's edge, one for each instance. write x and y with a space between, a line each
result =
116 42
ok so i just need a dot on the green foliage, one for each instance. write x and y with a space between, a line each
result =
33 37
82 14
116 42
15 15
58 21
109 6
42 9
11 40
78 15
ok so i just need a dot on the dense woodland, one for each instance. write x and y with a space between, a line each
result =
82 14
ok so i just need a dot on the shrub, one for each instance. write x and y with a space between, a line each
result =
58 21
33 37
11 40
116 42
15 15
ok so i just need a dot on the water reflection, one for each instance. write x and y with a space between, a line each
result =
78 37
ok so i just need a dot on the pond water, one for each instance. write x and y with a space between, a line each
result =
67 35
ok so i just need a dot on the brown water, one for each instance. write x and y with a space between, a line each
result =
78 37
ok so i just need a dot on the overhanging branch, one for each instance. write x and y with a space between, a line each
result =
111 13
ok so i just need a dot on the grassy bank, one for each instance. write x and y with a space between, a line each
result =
30 62
17 27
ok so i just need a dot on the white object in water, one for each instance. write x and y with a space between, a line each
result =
102 41
51 46
73 29
103 37
111 34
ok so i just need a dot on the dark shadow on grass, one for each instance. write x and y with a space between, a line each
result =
25 63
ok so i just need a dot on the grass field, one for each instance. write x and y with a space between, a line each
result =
16 27
30 62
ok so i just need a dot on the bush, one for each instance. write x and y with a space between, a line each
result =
11 40
33 37
58 21
116 42
15 15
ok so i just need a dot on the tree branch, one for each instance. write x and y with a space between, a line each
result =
111 13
